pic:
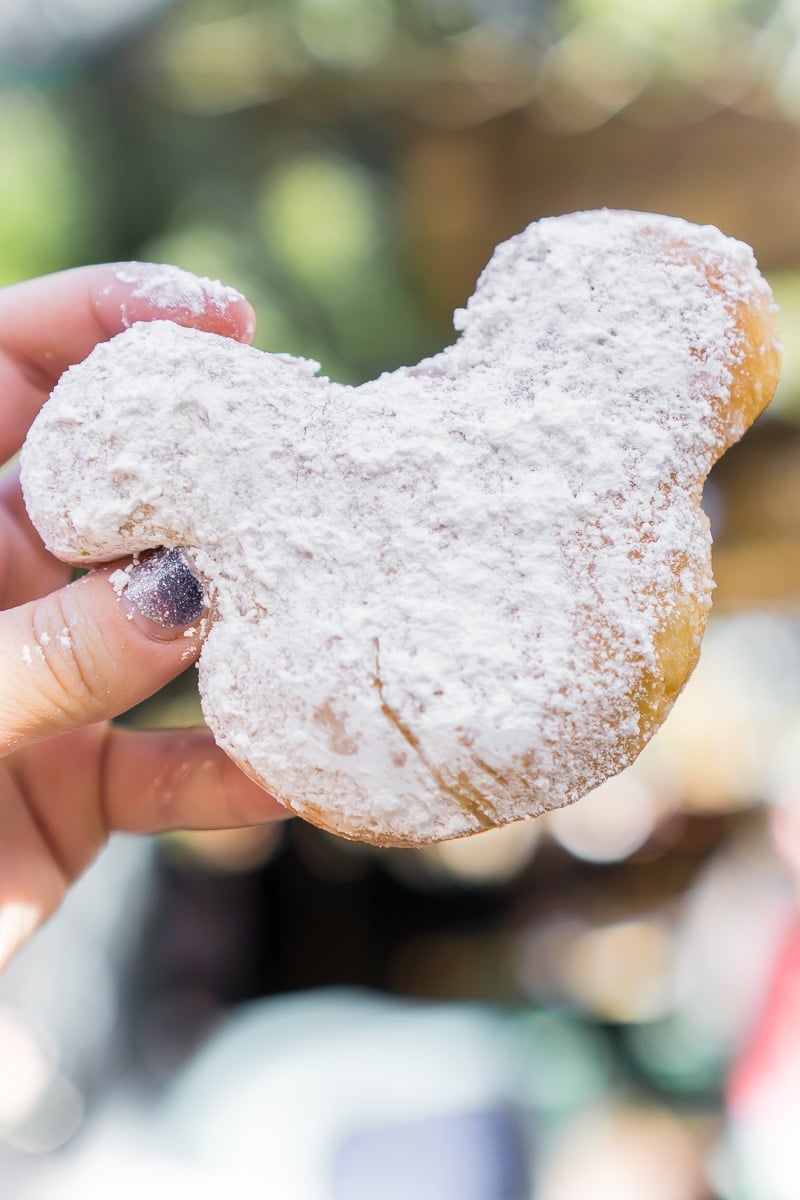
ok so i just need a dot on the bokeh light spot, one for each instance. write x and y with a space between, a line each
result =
610 823
345 33
318 215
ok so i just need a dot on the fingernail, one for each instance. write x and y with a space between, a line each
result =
172 289
163 589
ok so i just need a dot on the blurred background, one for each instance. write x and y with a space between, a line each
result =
600 1005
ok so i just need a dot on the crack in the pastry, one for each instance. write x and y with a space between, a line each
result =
467 797
492 772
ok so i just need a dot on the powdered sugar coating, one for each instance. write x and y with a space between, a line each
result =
439 599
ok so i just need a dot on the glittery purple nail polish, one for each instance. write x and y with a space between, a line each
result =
164 590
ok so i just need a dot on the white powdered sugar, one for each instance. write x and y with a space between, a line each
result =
173 290
435 597
119 580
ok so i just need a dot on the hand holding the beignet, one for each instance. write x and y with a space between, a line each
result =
73 654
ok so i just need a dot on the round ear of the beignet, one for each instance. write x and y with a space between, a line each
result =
755 350
755 361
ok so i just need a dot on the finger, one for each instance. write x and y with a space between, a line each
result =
48 324
178 779
31 882
57 814
85 653
27 570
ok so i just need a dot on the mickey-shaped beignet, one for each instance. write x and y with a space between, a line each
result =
466 592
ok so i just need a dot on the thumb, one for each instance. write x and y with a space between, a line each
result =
96 647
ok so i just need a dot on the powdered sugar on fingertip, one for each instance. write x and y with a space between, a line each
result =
174 290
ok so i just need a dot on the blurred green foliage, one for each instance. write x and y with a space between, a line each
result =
42 194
